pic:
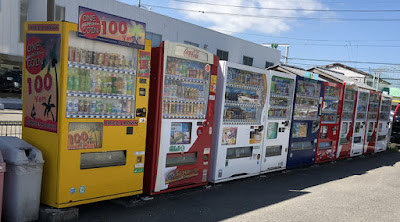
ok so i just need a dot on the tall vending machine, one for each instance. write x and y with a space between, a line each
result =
279 116
372 121
85 107
383 123
180 126
360 119
305 122
330 122
238 124
346 124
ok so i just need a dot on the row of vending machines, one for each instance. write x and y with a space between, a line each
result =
114 121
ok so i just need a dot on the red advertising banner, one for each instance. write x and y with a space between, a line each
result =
42 61
109 28
144 64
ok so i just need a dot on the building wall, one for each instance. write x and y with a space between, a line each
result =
178 31
9 28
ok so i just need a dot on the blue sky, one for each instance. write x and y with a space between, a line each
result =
338 39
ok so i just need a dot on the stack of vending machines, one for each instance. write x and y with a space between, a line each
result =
81 97
305 122
383 123
330 122
372 121
360 119
180 126
238 125
278 121
346 122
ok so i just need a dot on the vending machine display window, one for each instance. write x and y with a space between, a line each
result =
101 79
306 107
279 99
244 97
180 133
186 87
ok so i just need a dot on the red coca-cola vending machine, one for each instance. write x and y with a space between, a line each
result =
180 121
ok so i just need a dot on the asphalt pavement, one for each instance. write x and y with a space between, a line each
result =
364 188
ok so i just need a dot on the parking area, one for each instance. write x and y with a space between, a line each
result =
364 188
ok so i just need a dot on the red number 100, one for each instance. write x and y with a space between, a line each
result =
39 83
113 27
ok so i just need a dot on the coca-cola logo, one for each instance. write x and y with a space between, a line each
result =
191 53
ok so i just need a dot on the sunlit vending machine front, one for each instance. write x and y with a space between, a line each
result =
238 128
360 120
372 121
383 123
183 87
346 124
330 119
305 122
277 126
85 105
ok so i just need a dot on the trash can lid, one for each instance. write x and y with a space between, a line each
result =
18 152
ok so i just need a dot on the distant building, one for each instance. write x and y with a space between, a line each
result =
358 75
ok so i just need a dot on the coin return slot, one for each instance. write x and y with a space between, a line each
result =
103 159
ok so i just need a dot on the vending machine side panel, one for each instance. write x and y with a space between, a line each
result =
43 138
360 120
383 123
154 120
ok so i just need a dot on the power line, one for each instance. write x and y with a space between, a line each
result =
293 9
316 40
347 45
280 17
344 61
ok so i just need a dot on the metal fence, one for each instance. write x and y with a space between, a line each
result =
11 128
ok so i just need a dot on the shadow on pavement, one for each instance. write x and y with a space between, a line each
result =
230 199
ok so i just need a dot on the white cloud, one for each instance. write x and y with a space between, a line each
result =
228 23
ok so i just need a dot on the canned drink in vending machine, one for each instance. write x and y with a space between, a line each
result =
111 59
71 54
89 55
83 56
100 59
106 58
94 58
78 55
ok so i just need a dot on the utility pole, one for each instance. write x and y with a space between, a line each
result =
275 45
139 4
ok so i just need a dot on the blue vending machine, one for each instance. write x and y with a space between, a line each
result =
305 122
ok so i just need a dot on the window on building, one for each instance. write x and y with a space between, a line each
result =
268 64
155 39
23 16
247 61
60 13
223 55
191 43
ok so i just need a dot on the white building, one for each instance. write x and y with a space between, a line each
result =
158 28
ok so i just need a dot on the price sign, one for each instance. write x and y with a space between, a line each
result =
112 29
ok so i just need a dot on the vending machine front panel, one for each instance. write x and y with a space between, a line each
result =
183 93
360 120
346 127
373 120
330 120
383 123
239 130
305 124
278 121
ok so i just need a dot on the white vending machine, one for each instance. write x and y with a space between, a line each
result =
360 120
383 124
279 116
238 126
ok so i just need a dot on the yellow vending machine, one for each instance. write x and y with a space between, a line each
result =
85 105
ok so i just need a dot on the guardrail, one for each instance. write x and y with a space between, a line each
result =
11 128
